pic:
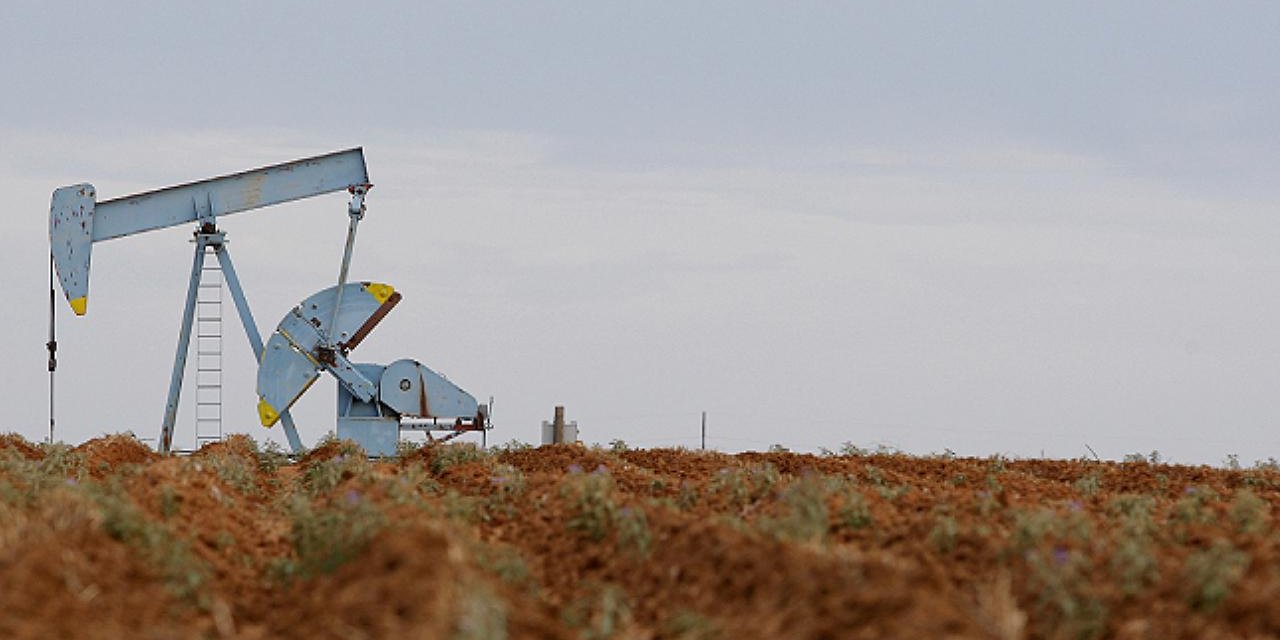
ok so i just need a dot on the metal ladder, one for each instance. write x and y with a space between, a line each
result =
209 351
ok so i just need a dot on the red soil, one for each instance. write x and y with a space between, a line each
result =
568 542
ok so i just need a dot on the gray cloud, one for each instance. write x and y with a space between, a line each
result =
989 227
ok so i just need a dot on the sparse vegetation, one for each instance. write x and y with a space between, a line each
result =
169 555
944 534
804 512
449 455
325 537
1213 573
744 485
618 542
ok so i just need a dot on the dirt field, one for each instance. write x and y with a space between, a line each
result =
108 540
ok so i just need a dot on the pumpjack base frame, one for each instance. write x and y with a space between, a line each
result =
377 429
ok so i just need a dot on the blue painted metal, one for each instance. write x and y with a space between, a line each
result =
217 241
369 424
284 374
70 238
409 388
293 360
351 378
251 330
356 212
309 340
317 311
316 335
225 195
403 390
184 344
406 389
76 220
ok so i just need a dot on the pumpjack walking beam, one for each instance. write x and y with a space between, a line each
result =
77 221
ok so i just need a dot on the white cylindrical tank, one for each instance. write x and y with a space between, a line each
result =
570 432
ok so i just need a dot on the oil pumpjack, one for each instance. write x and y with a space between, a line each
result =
375 402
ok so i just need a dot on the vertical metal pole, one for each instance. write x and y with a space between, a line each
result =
486 425
52 346
184 344
557 427
251 330
704 430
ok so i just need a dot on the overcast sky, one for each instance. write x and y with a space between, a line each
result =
989 227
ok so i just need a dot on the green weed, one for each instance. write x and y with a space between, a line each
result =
463 508
407 447
633 530
1248 512
1089 484
170 502
688 496
237 472
324 538
271 457
509 483
504 562
805 517
1134 564
1192 508
182 570
410 486
689 625
510 446
61 461
1213 572
945 534
851 450
595 513
1060 576
745 485
853 512
603 614
594 509
449 455
325 475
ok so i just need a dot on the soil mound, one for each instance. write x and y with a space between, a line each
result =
407 584
68 579
102 455
679 463
17 444
570 541
329 450
422 456
417 582
237 445
562 458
